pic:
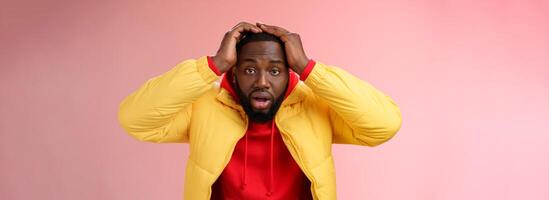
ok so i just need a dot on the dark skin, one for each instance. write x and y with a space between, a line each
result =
261 74
260 67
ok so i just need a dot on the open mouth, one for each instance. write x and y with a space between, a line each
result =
260 100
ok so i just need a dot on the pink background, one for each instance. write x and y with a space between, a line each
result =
471 78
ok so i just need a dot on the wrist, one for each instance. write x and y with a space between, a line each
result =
221 66
212 65
310 65
302 64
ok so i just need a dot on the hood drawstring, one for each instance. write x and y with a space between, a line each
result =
245 162
271 185
271 164
227 84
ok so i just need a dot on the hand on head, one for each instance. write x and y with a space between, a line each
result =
295 54
226 56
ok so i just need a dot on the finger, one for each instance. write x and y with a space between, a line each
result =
275 30
246 27
252 28
238 31
278 28
240 24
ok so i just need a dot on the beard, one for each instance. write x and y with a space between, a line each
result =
257 116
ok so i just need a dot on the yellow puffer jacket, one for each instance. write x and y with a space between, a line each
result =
186 104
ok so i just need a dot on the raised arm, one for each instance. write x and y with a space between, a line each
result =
161 109
360 114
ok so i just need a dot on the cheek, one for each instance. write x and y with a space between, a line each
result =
244 85
280 85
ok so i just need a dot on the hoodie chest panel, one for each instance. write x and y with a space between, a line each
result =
214 131
309 130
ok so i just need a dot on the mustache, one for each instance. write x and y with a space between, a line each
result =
260 90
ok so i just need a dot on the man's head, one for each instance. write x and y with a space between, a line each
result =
261 75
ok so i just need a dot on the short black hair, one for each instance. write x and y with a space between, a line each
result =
257 37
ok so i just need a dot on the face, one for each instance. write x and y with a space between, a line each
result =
261 78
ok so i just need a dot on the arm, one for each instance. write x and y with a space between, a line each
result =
160 110
360 114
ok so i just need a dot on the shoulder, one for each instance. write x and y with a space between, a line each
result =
307 96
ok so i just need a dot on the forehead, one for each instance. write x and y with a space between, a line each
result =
261 50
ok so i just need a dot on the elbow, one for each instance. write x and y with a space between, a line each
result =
391 129
130 126
128 122
141 130
390 126
383 131
124 117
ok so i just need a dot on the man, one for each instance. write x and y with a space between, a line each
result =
267 130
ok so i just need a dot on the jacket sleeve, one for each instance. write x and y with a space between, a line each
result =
360 114
160 110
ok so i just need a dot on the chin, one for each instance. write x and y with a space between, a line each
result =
265 111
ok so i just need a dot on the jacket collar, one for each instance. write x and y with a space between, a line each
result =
227 94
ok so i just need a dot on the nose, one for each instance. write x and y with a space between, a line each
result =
262 81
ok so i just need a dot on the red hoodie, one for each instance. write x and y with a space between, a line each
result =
261 166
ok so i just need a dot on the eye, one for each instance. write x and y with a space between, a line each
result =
275 71
249 71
